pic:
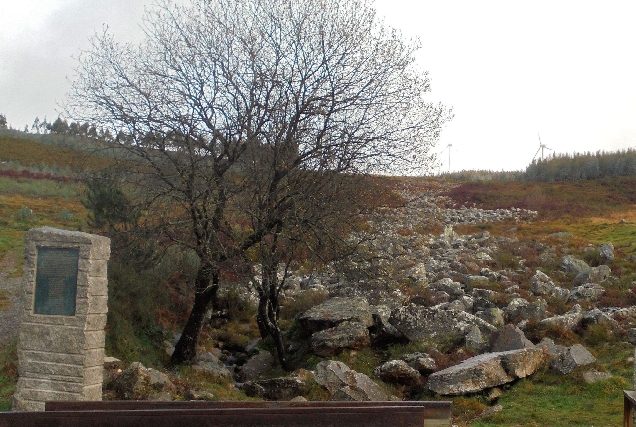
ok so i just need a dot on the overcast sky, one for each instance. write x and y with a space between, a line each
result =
511 70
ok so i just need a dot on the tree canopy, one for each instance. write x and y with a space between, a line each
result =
241 119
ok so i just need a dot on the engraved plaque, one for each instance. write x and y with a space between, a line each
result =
56 281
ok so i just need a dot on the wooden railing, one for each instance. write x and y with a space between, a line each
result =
234 414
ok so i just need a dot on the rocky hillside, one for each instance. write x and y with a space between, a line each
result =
426 310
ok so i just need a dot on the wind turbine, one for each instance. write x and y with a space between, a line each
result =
449 151
542 147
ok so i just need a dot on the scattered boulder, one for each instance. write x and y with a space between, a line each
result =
334 311
574 266
491 410
421 362
256 366
568 320
521 309
493 315
284 388
197 394
552 349
112 368
474 339
477 281
139 383
595 376
593 275
598 317
433 324
329 342
397 371
483 304
344 383
452 288
586 292
508 338
485 371
383 333
572 358
541 284
606 252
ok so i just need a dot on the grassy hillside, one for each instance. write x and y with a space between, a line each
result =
37 188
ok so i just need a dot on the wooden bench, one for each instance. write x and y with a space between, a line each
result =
234 414
629 401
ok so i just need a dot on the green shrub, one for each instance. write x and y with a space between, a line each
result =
24 213
505 259
302 302
592 257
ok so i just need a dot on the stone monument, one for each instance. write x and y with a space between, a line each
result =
64 306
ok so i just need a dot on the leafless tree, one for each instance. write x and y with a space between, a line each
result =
229 107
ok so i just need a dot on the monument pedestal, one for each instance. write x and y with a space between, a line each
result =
61 337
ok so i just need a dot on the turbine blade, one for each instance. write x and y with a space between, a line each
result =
535 154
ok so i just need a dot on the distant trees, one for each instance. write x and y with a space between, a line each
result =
577 166
3 121
243 127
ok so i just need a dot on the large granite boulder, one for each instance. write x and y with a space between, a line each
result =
574 266
435 324
397 371
284 388
509 338
572 358
346 384
593 275
334 311
211 365
140 383
332 341
485 371
421 362
256 366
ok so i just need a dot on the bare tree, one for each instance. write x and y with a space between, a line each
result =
230 107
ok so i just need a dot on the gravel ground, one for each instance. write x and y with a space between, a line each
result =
10 302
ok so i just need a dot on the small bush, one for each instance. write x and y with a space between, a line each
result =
24 214
505 259
597 335
592 257
301 303
238 305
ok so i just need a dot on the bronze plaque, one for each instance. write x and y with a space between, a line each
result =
56 281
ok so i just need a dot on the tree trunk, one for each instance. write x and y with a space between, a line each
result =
186 347
268 308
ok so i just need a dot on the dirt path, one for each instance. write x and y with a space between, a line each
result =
10 303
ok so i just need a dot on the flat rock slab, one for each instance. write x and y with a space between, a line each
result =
335 311
431 324
486 371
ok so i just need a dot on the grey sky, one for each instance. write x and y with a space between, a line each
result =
562 68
